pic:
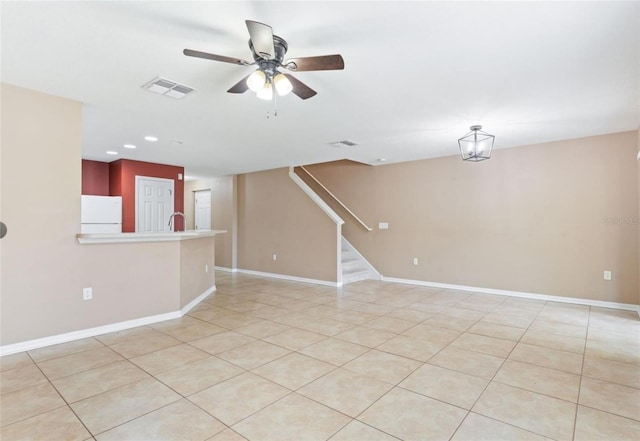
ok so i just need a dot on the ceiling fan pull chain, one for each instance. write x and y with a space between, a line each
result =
275 104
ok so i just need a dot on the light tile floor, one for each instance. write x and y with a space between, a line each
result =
266 359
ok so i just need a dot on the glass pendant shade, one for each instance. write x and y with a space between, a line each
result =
476 145
256 80
266 93
282 84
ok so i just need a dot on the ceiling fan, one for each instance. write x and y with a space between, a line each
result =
268 52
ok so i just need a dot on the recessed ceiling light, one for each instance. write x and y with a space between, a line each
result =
111 152
151 138
129 146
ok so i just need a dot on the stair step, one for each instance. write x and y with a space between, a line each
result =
352 271
354 276
353 267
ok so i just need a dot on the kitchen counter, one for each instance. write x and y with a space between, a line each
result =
95 238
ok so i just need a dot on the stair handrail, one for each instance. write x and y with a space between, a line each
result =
335 198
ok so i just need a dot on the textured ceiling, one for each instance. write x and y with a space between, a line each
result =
417 75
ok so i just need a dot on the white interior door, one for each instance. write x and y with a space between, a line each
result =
154 204
203 209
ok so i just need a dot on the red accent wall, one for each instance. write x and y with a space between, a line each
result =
95 178
115 178
122 182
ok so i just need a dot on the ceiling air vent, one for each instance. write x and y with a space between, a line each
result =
345 143
168 88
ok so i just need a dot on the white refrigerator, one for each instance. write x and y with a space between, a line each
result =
101 214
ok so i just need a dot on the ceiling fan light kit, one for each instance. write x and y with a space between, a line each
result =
268 53
282 84
256 80
266 92
476 145
263 84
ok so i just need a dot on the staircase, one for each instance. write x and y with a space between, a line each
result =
354 266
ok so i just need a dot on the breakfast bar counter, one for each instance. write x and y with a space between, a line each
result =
145 237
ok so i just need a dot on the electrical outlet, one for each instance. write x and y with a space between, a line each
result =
275 257
206 268
415 261
87 293
607 275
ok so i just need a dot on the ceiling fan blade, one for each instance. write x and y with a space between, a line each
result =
214 57
240 86
261 38
322 62
300 89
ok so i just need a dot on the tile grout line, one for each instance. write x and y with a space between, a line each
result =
493 378
128 360
584 354
63 399
397 385
66 354
393 386
484 389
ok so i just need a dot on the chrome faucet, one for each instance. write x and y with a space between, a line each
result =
177 213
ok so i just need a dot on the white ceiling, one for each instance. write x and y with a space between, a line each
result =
417 75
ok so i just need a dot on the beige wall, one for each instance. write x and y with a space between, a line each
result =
276 217
197 262
223 213
42 267
125 285
531 219
41 207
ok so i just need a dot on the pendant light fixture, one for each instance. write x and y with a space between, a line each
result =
476 145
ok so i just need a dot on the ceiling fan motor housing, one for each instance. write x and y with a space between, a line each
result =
280 47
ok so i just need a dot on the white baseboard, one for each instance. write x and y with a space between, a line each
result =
99 330
225 269
291 278
525 295
195 302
